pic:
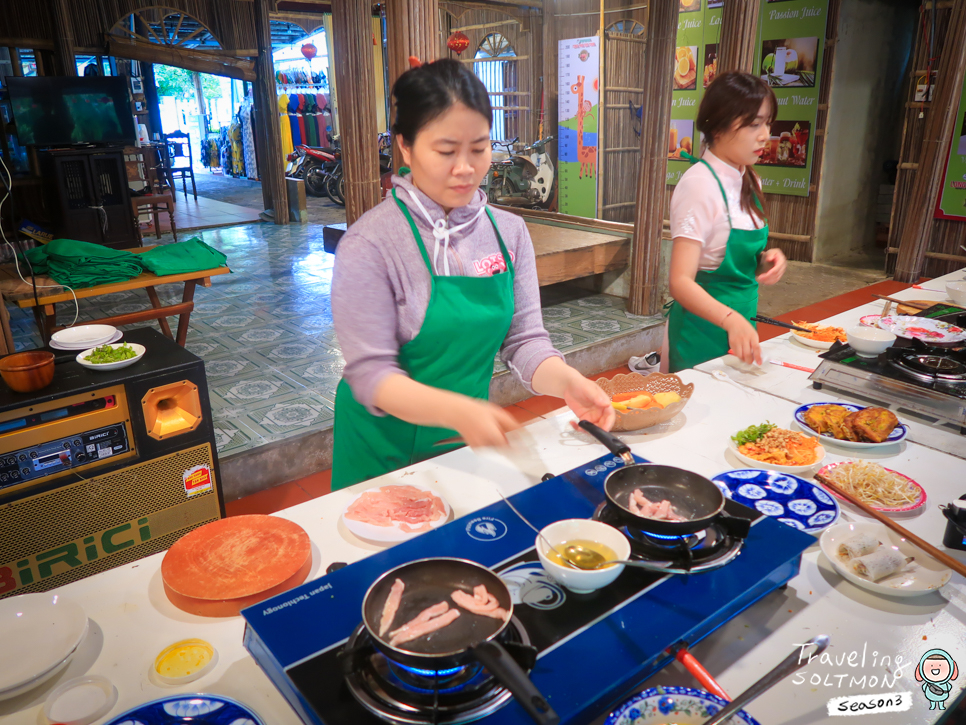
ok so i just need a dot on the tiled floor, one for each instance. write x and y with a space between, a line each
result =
200 213
267 339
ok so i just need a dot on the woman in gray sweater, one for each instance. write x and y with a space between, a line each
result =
429 286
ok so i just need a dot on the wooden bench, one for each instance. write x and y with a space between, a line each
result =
45 312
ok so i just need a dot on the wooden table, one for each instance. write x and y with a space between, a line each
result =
45 312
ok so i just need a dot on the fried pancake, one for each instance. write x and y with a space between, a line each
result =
829 420
874 424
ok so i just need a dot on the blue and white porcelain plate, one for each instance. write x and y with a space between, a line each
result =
193 709
790 499
680 705
897 435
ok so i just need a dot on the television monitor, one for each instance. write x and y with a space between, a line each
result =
61 110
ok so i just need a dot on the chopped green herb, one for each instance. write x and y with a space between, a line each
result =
752 433
107 354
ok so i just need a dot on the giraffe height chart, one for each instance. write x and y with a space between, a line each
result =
578 73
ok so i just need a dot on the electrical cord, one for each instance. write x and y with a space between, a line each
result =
33 280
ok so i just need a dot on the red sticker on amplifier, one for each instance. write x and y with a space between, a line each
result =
197 480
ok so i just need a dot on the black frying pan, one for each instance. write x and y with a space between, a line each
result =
693 496
470 638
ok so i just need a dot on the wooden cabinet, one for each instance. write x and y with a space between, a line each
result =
88 197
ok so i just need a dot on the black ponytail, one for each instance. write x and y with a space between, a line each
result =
423 93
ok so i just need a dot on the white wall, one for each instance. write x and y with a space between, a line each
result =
871 65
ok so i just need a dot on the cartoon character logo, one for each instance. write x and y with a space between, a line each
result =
935 670
529 584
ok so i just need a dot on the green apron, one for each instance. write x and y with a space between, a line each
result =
693 340
466 322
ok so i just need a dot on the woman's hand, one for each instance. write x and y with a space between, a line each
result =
480 423
776 261
589 402
742 339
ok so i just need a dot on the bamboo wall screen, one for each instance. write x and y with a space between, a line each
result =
943 253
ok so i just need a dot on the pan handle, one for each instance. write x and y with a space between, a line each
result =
614 444
505 669
737 526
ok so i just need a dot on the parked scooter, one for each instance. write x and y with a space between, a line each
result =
526 178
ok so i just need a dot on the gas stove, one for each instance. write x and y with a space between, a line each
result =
310 643
923 378
691 554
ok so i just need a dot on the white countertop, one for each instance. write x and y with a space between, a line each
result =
132 620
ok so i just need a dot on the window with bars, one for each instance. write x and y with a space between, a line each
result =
495 64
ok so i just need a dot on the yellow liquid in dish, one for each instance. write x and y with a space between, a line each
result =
605 551
183 659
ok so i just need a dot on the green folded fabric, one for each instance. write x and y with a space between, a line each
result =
81 264
181 258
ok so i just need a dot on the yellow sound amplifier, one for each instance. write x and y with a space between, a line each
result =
102 468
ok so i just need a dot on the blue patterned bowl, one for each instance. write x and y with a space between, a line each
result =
677 705
790 499
189 710
897 435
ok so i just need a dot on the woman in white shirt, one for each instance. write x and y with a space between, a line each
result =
719 229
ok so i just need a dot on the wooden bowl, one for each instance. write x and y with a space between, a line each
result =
653 383
26 372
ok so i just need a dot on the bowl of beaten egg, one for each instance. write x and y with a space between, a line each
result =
598 537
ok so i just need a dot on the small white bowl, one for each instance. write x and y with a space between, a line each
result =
869 341
577 580
957 292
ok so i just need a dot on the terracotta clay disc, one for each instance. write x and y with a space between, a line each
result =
907 310
220 568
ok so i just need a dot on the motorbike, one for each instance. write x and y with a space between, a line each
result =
321 169
525 178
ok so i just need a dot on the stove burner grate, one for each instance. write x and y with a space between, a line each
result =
689 554
929 368
406 695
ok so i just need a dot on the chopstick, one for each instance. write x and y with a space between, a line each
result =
793 366
450 441
935 553
776 323
907 303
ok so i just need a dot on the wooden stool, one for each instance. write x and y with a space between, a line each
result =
154 202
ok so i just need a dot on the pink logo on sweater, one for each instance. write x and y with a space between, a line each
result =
494 264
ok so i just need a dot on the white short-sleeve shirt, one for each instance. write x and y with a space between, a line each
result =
698 210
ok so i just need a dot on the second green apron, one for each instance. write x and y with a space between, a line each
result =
693 340
466 322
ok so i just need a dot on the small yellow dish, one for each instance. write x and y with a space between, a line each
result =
185 661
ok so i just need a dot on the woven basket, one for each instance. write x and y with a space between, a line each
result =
653 383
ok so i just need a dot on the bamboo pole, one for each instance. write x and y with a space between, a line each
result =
64 39
412 28
661 35
739 33
917 230
354 69
271 169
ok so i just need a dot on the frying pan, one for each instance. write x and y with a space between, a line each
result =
693 496
470 638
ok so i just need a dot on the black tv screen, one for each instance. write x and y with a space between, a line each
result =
60 111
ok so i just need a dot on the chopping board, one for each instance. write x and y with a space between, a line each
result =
907 310
220 568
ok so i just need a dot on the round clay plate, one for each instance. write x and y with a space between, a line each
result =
922 576
917 504
392 534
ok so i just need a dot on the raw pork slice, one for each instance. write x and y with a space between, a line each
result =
391 606
481 602
404 505
414 630
640 505
423 616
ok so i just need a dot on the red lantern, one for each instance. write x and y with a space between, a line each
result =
458 42
309 51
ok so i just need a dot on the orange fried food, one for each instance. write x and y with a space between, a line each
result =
829 420
873 424
821 333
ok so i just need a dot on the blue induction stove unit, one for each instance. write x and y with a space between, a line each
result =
593 648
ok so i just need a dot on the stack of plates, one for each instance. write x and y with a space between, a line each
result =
41 633
84 337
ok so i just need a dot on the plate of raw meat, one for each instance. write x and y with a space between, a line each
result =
395 512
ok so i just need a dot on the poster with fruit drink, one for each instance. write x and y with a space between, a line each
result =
791 40
952 195
578 91
686 86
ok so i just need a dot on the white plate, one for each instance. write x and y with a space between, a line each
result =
114 338
139 349
394 533
754 463
922 576
918 328
897 436
808 342
86 335
40 632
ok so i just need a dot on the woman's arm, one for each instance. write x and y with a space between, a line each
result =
685 258
584 397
